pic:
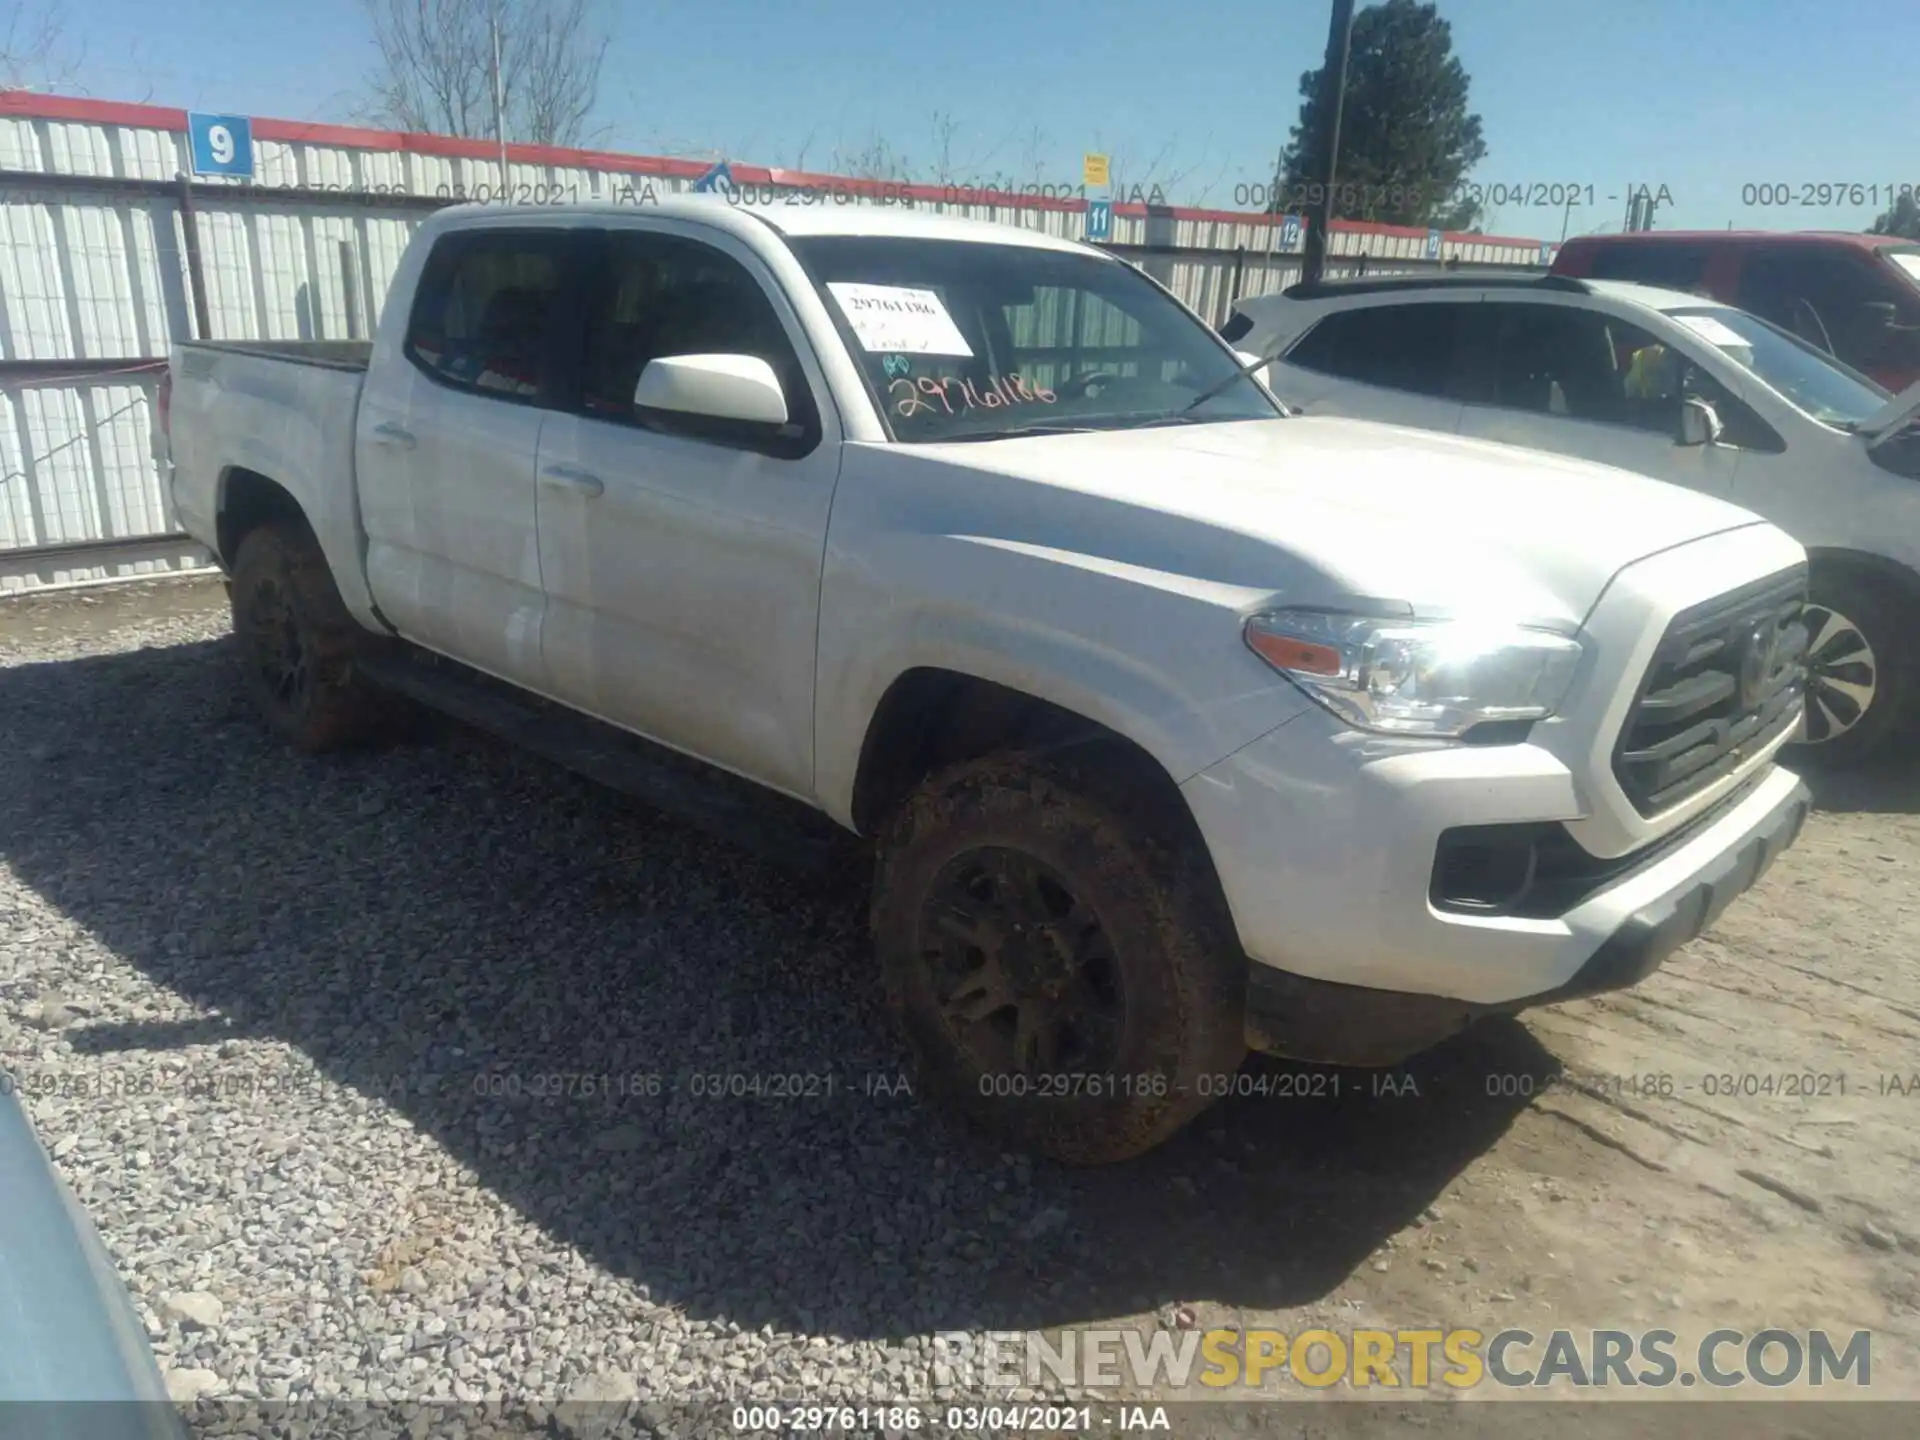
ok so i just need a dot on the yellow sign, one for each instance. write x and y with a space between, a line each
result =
1094 170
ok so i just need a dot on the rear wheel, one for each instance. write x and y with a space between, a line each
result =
297 641
1858 673
1060 974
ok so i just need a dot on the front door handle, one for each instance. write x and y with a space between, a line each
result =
388 433
570 477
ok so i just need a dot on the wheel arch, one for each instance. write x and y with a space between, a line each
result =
1904 581
931 717
244 501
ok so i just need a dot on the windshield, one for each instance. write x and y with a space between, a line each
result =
967 341
1820 385
1907 260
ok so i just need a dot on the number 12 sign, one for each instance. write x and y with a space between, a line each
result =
221 144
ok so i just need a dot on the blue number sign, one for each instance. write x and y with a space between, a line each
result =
221 145
718 180
1099 220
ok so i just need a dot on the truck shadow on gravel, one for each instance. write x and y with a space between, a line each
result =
442 925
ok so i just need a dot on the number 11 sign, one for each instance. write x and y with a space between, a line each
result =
221 144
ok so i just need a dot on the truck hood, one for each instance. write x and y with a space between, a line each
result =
1432 524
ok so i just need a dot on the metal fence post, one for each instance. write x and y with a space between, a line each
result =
350 289
196 278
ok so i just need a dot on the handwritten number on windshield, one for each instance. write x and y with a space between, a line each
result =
956 396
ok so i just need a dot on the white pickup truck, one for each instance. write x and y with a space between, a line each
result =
1174 724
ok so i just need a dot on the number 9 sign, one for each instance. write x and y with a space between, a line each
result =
221 144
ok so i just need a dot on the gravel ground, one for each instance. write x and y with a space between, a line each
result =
382 1076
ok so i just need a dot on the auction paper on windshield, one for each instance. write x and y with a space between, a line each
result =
899 319
1714 332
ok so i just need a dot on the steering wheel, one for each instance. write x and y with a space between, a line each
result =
1082 384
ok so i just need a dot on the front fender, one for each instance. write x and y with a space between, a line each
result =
1156 657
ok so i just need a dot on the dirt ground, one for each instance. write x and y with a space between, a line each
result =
1648 1159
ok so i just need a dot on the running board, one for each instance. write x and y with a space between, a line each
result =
771 825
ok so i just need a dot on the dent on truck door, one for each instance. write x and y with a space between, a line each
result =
681 560
446 446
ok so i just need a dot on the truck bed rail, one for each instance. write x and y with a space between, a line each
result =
334 354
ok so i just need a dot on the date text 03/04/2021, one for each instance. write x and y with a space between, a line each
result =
1656 1084
997 1418
1261 1084
1359 198
696 1085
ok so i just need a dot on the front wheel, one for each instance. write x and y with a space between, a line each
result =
1060 974
1858 673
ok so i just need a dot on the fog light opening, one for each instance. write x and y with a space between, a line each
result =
1484 874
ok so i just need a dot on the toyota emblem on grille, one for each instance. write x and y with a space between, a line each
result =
1758 664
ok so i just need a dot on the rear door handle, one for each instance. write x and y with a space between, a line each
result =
570 477
388 433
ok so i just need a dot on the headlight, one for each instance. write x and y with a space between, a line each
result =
1410 677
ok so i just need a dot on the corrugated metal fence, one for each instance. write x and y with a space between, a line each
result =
98 231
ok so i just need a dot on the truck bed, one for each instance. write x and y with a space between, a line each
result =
334 354
284 409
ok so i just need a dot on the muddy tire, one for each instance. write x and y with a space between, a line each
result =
1062 972
296 643
1860 671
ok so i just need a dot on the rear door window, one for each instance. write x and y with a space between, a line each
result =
484 314
1410 347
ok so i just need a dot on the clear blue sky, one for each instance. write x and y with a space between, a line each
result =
1701 96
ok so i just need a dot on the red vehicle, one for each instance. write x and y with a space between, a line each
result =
1855 296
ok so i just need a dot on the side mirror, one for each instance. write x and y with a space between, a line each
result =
719 387
1699 423
1873 324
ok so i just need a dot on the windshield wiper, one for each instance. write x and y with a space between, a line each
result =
1018 432
1240 374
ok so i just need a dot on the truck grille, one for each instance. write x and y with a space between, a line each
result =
1728 678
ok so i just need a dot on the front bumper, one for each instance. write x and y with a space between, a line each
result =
1325 840
1307 1019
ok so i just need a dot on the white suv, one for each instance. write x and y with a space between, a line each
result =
1664 383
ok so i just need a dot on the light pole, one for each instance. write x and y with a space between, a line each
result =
1333 92
499 96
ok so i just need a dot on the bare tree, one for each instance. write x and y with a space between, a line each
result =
435 71
1155 181
875 160
34 53
1033 157
800 153
944 130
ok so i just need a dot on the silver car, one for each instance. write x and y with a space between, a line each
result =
1671 385
68 1331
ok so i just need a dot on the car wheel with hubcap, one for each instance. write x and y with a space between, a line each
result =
1061 973
1857 678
